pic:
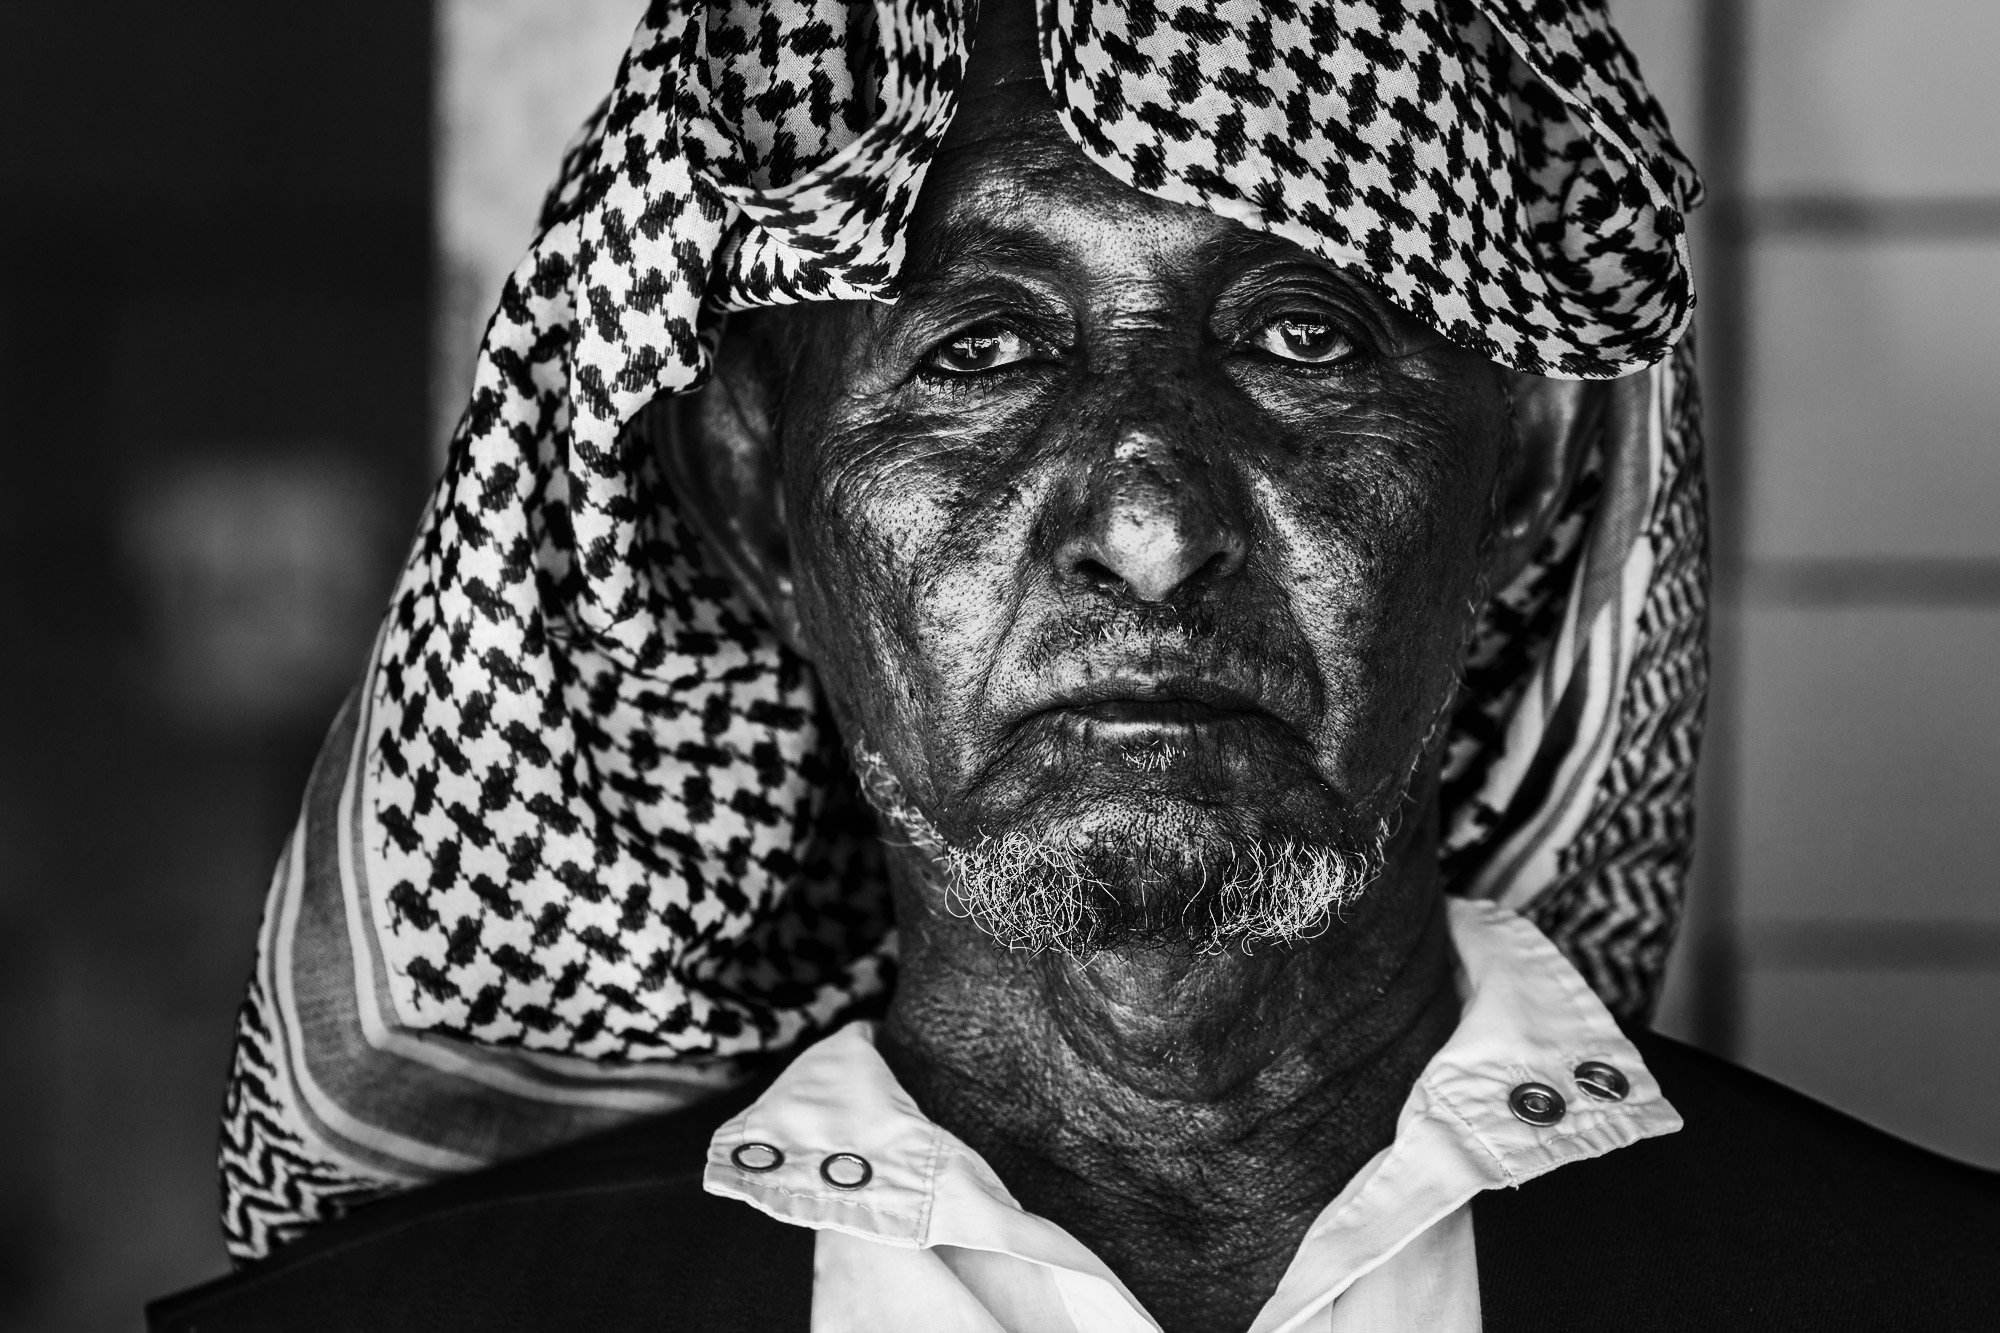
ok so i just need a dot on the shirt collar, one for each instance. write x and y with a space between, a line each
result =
1527 1023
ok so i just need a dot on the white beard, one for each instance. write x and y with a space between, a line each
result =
1079 887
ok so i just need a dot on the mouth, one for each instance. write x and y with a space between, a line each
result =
1144 718
1150 710
1154 740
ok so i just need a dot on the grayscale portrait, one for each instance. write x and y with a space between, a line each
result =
1053 682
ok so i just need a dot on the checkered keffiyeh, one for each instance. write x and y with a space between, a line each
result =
584 843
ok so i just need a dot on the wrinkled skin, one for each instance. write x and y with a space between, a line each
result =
1126 518
1146 505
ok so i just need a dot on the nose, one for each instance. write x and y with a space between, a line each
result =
1150 527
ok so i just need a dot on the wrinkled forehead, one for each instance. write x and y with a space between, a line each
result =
1008 182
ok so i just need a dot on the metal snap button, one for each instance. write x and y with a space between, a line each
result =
846 1171
756 1157
1602 1081
1536 1103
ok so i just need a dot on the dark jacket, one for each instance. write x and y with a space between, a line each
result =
1769 1211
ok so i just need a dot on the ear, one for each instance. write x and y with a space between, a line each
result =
1554 423
719 449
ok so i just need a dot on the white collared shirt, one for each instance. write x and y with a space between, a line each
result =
934 1243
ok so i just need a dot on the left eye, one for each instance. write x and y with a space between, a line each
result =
1300 338
984 347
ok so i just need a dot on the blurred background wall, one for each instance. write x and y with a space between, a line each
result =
250 250
1845 936
215 225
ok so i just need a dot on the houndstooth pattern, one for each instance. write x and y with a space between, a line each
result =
1502 174
1615 905
609 820
275 1185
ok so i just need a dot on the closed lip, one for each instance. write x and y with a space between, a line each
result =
1171 701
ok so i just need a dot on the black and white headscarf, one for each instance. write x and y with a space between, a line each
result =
584 844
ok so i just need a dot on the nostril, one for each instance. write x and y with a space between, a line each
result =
1149 562
1217 567
1094 572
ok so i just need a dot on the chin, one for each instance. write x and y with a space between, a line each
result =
1155 871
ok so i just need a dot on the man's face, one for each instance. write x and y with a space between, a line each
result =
1131 537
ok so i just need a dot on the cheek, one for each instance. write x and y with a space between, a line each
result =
1377 535
907 585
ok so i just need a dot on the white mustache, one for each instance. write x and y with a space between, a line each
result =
1049 890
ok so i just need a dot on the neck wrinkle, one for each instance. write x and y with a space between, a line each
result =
1118 1092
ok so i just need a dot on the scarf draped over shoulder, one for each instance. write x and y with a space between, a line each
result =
584 844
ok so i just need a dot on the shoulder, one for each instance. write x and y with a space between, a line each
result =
608 1233
1769 1210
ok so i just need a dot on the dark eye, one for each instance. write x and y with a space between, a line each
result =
982 347
1301 338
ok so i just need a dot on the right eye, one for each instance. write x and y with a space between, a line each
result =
980 348
1304 341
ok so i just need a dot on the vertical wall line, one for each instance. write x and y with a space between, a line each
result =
1723 240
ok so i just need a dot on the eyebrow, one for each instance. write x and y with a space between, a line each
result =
965 240
1248 243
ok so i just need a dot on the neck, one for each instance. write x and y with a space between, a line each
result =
1185 1116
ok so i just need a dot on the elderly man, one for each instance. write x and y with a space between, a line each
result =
1136 545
